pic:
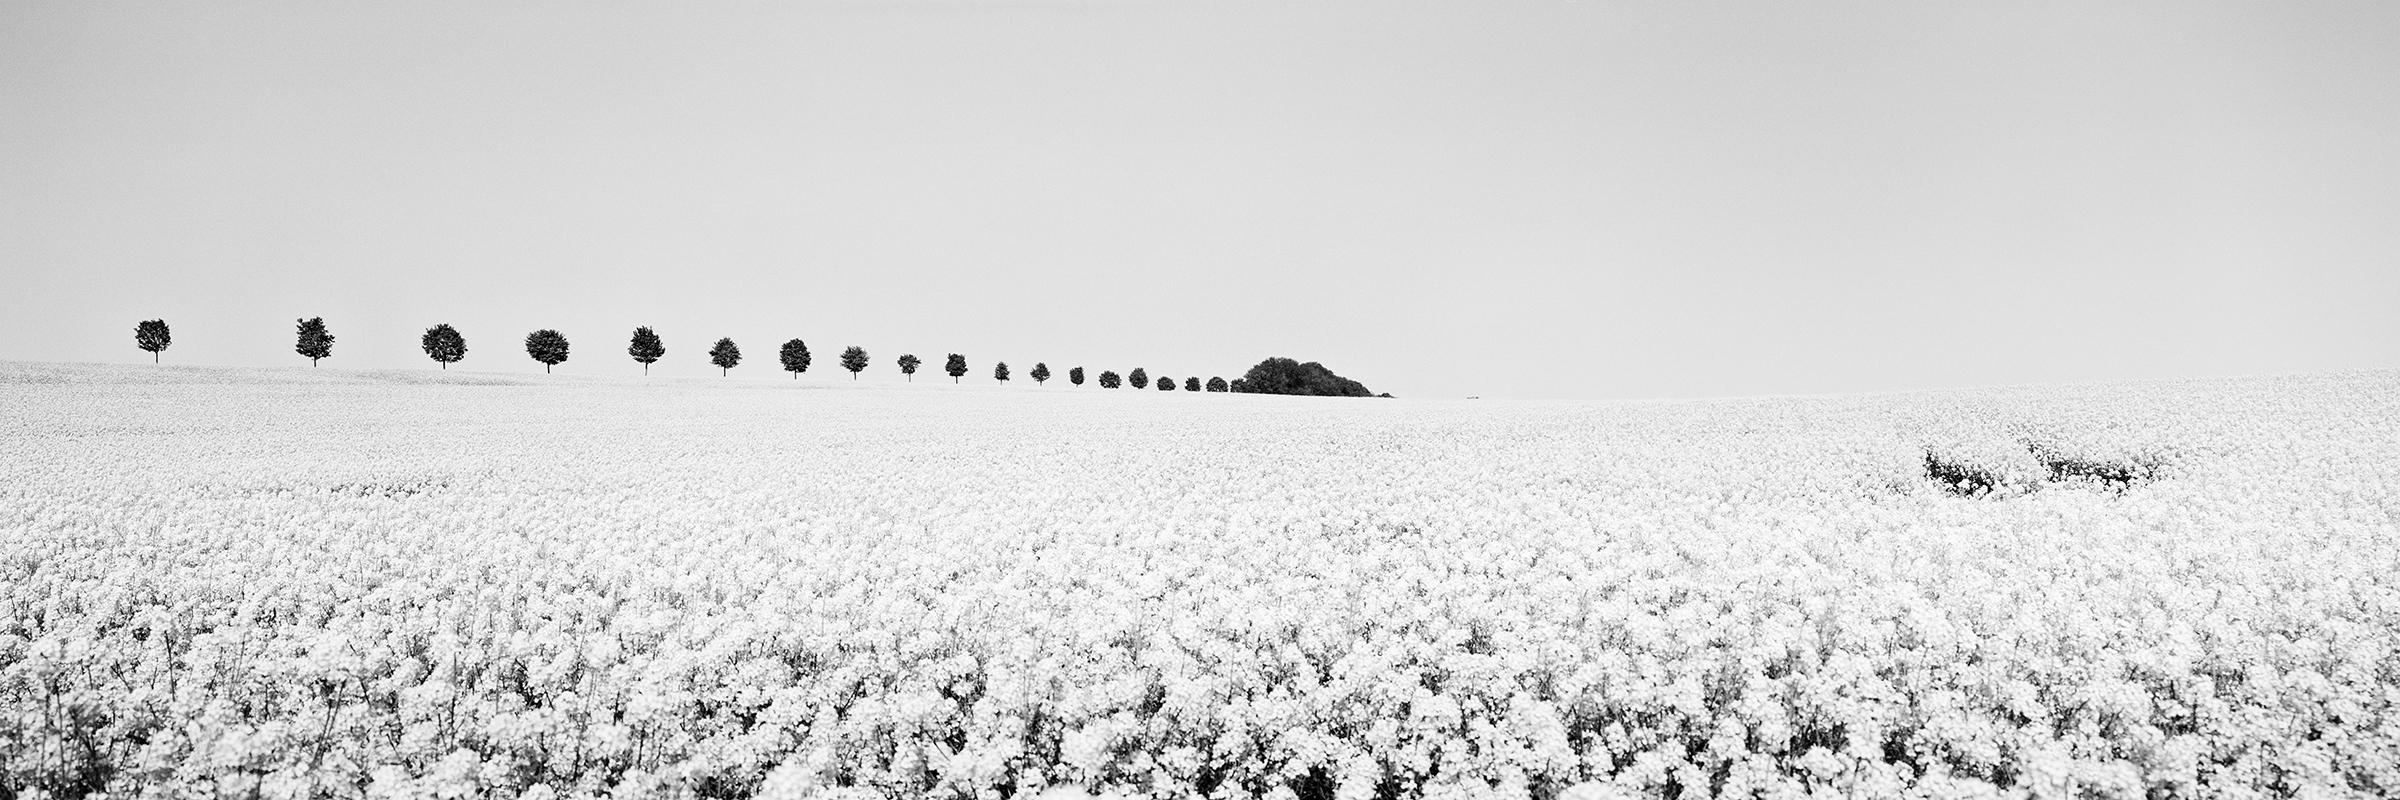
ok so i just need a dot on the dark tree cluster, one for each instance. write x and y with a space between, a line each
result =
1285 376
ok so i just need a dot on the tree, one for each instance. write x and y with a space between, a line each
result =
315 341
152 335
1286 376
443 344
1191 384
956 366
546 346
908 366
1108 380
1075 376
1139 379
1000 372
646 347
795 357
1237 386
854 359
1166 384
1216 384
725 354
1040 374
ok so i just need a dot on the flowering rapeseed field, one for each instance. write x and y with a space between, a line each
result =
293 583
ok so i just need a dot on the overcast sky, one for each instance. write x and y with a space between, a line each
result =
1581 200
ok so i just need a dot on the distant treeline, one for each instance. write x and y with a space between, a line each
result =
445 345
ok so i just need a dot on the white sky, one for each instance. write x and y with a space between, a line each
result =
1518 199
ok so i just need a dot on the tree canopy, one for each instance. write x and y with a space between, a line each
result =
1285 376
908 366
444 344
646 347
854 359
795 357
315 341
546 346
1040 373
152 335
725 354
956 366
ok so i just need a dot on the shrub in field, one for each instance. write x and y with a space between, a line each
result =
546 346
1191 384
956 365
795 357
444 344
725 354
1217 385
1285 376
1075 376
1000 372
1040 373
1166 384
854 359
908 366
315 341
1109 380
646 347
152 336
1138 378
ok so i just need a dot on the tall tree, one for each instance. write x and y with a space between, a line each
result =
854 359
956 366
1109 380
1216 384
443 344
646 347
1191 384
546 346
725 355
315 341
795 357
1075 376
1000 372
908 366
1166 384
1040 374
152 335
1139 379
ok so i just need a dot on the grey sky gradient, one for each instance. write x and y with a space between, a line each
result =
1515 199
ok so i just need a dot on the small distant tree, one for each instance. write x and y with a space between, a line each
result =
795 357
1216 384
646 347
854 359
908 366
956 366
1238 386
1040 374
443 344
1166 384
1075 376
1139 379
1191 384
546 346
1109 380
725 355
315 341
1000 371
152 335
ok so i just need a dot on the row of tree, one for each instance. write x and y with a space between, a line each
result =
445 345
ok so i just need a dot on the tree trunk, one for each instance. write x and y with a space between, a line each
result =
153 356
545 367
